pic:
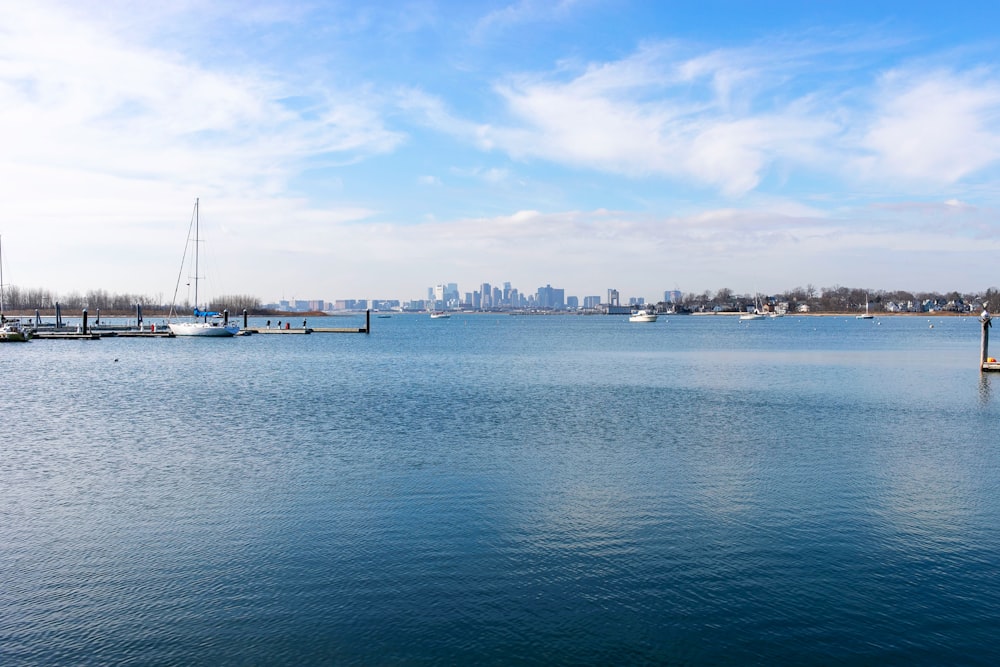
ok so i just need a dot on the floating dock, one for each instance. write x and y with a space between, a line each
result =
306 330
65 335
265 330
84 332
141 334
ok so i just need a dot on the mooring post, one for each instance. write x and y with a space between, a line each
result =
368 321
984 346
58 316
98 320
84 320
225 317
244 318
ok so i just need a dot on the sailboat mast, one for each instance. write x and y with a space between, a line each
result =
1 276
196 253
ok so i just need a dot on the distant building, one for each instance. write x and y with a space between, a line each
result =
350 304
551 297
591 302
672 296
573 303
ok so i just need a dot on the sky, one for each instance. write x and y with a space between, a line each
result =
354 150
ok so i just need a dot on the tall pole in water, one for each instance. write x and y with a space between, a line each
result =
984 346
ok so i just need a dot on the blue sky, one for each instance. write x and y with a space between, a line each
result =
370 150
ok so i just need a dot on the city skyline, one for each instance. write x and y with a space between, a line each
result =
350 149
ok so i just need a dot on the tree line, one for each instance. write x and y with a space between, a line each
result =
827 299
845 299
17 299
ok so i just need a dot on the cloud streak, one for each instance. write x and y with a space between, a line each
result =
723 120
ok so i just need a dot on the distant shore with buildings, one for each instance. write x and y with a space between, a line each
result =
505 298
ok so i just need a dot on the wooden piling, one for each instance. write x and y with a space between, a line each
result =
986 363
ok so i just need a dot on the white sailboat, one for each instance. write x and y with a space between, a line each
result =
866 315
757 313
205 323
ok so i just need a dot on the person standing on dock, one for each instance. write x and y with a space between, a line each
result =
303 323
269 324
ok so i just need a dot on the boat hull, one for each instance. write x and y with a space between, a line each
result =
204 329
646 317
13 332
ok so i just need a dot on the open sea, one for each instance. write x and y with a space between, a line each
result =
495 489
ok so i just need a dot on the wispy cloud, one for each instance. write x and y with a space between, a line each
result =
724 118
525 11
933 127
76 97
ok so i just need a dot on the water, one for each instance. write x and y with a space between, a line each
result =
497 489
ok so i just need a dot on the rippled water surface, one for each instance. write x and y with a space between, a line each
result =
497 489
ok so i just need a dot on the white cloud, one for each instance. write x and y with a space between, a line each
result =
75 98
933 127
658 114
524 11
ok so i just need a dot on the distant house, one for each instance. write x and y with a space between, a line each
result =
802 308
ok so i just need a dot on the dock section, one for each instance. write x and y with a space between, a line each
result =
306 330
65 335
258 330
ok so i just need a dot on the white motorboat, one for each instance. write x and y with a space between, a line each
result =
642 316
11 331
439 315
205 323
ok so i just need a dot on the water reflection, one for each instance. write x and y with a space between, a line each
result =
985 389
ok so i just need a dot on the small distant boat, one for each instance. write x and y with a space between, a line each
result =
440 315
642 316
756 314
11 330
201 327
866 315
